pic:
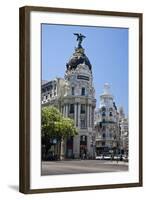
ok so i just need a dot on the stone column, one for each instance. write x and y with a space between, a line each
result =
79 112
92 124
75 113
66 110
77 116
88 124
76 146
90 115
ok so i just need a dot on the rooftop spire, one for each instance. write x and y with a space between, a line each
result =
106 89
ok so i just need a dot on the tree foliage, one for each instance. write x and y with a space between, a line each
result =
55 125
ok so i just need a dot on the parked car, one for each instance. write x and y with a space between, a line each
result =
98 157
107 157
103 157
125 158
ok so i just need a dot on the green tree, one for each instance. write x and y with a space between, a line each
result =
50 117
55 126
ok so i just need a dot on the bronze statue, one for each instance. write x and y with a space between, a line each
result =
80 38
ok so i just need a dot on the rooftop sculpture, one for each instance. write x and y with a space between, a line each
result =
80 38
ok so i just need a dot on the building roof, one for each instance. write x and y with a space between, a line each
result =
44 82
78 57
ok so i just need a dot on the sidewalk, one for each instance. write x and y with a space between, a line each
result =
109 162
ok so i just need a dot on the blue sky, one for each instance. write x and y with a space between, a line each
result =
106 48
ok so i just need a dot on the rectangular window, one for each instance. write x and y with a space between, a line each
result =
43 90
103 143
83 91
83 125
103 120
82 108
103 135
103 128
73 91
71 108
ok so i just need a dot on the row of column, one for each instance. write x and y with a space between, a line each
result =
89 114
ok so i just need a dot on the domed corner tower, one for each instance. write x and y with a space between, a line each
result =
79 102
107 136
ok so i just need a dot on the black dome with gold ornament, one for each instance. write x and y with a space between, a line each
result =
77 58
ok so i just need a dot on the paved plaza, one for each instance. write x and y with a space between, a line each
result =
82 166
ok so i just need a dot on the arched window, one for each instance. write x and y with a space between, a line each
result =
103 114
110 109
110 114
103 109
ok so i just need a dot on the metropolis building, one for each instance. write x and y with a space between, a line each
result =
74 95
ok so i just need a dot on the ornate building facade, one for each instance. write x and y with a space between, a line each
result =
107 124
124 132
111 126
75 97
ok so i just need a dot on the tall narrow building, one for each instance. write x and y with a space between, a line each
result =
107 125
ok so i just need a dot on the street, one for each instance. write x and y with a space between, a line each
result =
82 166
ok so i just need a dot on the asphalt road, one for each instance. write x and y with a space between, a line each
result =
81 166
